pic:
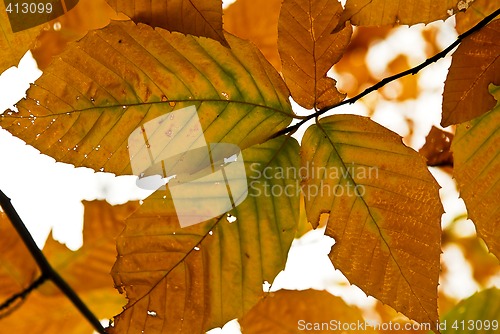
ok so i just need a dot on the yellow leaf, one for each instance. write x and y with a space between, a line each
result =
475 151
310 311
384 207
475 64
245 19
189 280
390 12
308 50
193 17
89 100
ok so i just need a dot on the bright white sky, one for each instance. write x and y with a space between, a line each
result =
48 194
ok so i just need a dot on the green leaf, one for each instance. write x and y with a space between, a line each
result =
385 212
90 99
189 280
476 165
479 313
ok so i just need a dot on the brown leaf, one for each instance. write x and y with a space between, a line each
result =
390 12
291 311
385 211
475 64
308 50
194 17
477 162
246 19
437 148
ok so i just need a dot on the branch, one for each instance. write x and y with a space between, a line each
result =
385 81
45 266
39 281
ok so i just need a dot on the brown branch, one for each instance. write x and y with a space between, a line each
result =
44 265
385 81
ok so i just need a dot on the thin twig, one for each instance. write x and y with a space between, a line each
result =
385 81
22 295
45 266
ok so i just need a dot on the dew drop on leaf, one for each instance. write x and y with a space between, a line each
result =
230 218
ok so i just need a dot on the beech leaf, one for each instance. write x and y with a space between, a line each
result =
192 279
474 65
244 18
86 270
193 17
390 12
291 311
475 151
385 212
87 103
308 50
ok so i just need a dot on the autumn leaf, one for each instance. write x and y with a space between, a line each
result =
478 10
475 64
308 50
194 17
244 19
17 268
103 87
291 311
189 280
437 148
49 39
477 314
390 12
384 210
475 150
86 270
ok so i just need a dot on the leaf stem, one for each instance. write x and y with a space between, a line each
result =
44 265
385 81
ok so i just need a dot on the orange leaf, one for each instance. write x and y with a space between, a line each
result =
17 267
244 19
389 12
194 17
477 11
475 64
308 50
291 311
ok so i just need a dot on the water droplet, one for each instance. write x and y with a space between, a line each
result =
57 26
152 313
164 98
92 100
174 233
124 107
18 123
85 156
196 248
230 218
37 102
60 140
211 232
77 97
